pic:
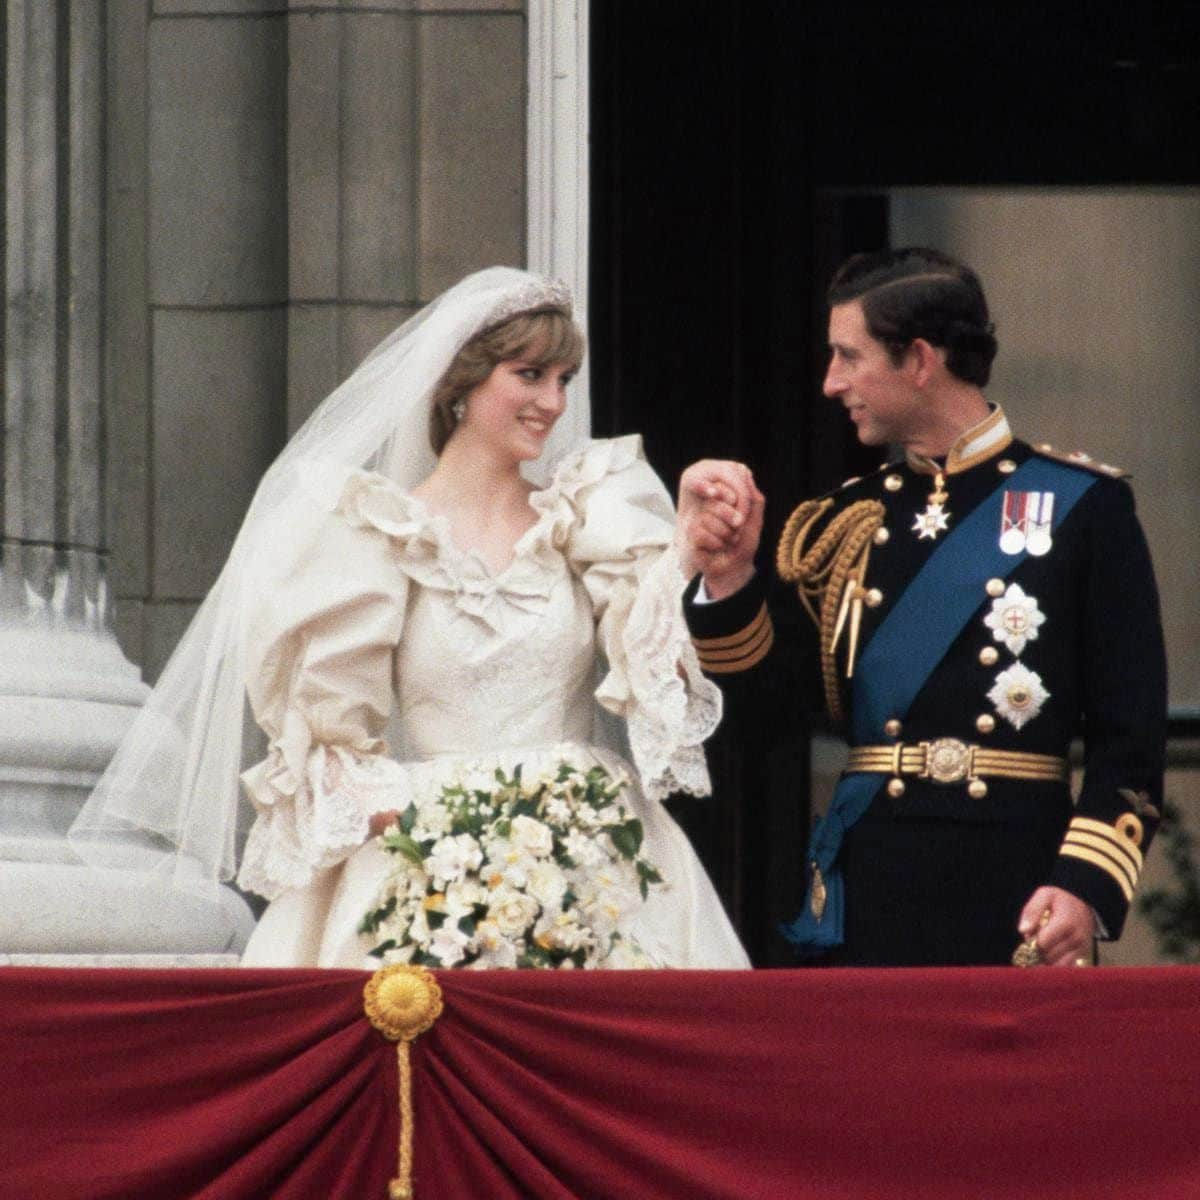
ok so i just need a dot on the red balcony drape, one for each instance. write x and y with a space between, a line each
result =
943 1085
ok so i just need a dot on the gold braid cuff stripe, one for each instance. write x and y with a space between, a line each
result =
733 640
741 651
1105 848
1070 850
829 576
402 1002
1123 843
949 761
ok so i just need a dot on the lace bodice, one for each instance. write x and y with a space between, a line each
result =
393 649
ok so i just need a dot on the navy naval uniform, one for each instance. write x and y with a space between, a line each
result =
989 610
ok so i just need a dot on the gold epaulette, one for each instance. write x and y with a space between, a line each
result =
1115 849
1077 458
737 651
830 575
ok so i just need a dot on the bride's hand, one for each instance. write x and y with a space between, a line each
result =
720 522
381 820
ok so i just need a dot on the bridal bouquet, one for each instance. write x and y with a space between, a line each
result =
499 872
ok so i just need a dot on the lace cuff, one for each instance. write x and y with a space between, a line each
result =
312 818
656 684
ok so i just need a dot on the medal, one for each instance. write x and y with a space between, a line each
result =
1037 537
1025 522
934 519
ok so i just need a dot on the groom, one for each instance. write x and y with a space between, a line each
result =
978 603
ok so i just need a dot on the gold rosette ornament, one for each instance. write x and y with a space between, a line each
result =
402 1002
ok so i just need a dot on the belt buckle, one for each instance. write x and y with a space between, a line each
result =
947 760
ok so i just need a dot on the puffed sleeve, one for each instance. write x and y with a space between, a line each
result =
319 681
621 543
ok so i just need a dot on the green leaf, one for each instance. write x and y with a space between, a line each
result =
371 922
646 876
627 838
401 843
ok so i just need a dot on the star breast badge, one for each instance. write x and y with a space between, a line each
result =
931 522
1018 694
1015 618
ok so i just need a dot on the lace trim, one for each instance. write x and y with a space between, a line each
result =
311 821
668 716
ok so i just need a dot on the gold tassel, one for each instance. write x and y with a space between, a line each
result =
402 1002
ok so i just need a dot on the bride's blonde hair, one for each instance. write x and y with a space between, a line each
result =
545 337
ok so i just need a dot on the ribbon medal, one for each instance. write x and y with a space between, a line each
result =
1025 522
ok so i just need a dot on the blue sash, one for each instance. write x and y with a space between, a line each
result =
904 651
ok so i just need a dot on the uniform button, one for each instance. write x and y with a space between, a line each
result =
896 787
989 656
1006 466
873 598
977 789
881 535
893 483
892 728
985 722
995 587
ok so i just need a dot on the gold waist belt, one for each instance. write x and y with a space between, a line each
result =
947 760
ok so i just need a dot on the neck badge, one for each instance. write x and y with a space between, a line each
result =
934 519
1025 522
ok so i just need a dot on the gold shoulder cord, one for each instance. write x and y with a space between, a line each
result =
830 574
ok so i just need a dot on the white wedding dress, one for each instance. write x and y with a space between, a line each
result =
389 660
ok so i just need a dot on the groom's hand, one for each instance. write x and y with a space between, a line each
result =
720 523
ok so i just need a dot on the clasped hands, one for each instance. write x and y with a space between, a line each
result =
719 524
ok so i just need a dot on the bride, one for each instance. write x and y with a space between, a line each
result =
405 610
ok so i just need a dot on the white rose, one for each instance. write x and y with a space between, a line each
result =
509 862
432 820
461 898
562 931
547 884
583 849
449 944
451 858
512 912
531 836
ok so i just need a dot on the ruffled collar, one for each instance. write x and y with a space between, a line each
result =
428 554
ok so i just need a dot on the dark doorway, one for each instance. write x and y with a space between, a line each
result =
739 151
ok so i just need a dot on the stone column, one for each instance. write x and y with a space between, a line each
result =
67 693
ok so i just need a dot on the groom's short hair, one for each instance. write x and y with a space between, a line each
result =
916 292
